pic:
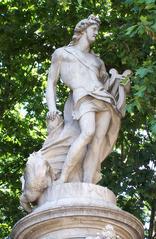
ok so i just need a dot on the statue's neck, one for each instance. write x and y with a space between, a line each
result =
83 45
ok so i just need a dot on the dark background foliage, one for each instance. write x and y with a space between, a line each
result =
29 33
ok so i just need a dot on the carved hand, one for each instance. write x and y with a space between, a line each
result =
51 115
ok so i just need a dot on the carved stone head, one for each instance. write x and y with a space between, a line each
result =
83 25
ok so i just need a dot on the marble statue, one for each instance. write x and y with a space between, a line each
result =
78 142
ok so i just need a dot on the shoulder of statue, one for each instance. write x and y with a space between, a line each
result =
69 49
97 56
101 61
58 54
73 51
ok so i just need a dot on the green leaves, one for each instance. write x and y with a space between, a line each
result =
29 33
79 1
131 30
142 71
153 126
145 21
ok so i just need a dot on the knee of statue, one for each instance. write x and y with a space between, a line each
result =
88 135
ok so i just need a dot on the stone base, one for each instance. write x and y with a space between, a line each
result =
76 210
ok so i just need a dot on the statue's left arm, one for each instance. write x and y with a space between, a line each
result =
104 77
118 85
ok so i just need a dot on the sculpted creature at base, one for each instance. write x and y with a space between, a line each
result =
78 142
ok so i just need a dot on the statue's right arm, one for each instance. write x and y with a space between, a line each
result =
53 77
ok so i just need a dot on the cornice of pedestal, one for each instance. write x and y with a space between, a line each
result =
75 217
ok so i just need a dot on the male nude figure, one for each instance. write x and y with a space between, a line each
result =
84 73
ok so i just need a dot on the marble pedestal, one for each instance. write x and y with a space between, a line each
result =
76 210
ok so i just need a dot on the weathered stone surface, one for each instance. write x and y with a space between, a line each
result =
77 143
79 215
60 178
76 194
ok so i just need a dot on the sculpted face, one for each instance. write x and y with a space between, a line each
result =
91 32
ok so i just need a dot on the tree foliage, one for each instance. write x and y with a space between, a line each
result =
30 31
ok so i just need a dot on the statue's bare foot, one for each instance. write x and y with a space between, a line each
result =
26 207
25 204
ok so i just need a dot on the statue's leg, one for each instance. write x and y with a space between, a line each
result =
94 149
87 126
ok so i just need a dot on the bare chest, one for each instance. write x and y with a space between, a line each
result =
81 59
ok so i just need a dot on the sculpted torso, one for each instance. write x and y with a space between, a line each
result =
81 71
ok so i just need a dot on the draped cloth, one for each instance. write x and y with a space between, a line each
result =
61 136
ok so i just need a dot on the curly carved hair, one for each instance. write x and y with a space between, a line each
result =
82 26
